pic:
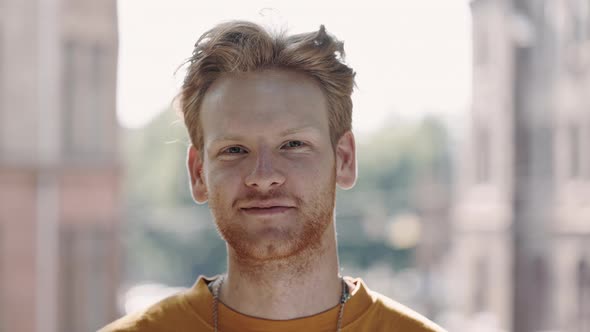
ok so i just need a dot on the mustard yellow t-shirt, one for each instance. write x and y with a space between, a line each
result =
191 311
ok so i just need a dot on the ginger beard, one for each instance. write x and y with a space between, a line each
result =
271 240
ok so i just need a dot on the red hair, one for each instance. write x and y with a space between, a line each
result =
241 46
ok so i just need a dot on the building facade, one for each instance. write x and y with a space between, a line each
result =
59 165
522 217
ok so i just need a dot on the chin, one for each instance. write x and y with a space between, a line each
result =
269 244
273 243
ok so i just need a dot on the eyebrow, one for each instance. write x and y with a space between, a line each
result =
287 132
298 130
226 138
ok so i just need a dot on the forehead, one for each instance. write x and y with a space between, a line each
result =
262 101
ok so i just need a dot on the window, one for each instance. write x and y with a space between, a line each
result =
85 278
583 314
1 278
481 44
585 146
66 273
481 275
539 291
83 101
2 78
574 151
581 20
482 156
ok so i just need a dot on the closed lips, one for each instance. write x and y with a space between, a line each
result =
266 205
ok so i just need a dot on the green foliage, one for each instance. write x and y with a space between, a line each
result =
164 241
155 166
394 158
158 253
367 253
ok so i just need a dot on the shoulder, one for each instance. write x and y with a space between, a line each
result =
377 312
402 317
154 318
183 311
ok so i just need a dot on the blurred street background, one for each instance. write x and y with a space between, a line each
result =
472 121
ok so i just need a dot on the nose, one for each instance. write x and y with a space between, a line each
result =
265 176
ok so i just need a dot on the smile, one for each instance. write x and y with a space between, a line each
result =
265 211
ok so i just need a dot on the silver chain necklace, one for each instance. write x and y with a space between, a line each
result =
217 286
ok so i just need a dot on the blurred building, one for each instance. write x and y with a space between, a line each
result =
59 172
522 218
433 205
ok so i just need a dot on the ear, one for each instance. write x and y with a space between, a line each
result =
346 161
195 171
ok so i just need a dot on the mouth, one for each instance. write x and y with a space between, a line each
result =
267 210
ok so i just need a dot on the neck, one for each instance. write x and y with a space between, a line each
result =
298 286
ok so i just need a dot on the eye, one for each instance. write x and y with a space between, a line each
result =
233 150
293 144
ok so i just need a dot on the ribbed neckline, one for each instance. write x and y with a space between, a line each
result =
201 300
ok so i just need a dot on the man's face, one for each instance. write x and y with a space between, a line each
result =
268 168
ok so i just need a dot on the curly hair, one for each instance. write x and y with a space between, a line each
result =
242 46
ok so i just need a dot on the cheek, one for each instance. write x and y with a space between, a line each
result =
220 181
310 175
320 165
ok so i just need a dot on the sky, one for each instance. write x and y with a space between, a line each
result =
411 57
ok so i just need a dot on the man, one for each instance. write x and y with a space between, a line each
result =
269 118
